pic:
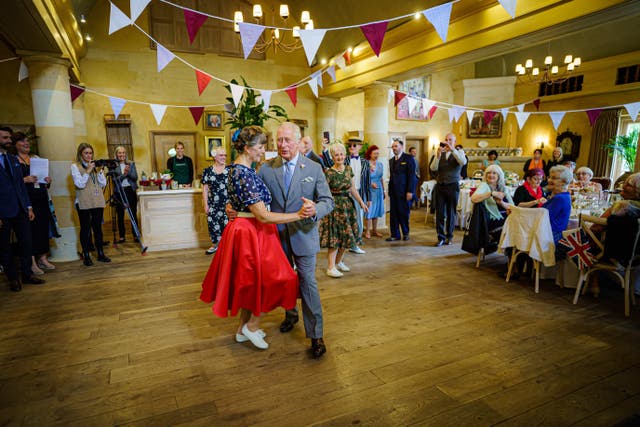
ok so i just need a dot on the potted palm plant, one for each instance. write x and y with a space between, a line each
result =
626 146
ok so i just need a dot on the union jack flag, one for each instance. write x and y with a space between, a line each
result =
576 246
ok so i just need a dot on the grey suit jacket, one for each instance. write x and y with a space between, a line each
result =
308 181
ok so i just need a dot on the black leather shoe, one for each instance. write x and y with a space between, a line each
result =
86 259
391 239
15 286
448 242
405 237
34 280
317 348
288 323
440 243
102 257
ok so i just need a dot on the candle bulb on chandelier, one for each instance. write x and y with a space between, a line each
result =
257 11
305 17
237 17
568 59
284 11
548 60
528 63
554 69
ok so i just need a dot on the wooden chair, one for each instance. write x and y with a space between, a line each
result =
604 181
426 193
619 254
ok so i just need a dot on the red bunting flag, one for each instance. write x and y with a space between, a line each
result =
194 21
196 113
397 97
432 111
489 115
347 57
536 102
203 80
593 115
75 92
375 34
293 94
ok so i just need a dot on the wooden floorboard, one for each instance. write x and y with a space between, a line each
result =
416 335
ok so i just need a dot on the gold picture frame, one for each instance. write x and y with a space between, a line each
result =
213 120
213 142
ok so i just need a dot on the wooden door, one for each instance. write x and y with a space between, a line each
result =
161 142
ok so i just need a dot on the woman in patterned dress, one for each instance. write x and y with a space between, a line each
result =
214 196
250 272
339 229
377 192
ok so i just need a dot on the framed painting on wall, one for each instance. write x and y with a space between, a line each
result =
213 143
479 129
570 144
213 120
417 88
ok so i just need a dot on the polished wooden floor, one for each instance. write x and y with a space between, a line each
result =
416 335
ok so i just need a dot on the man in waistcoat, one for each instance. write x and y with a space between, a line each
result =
448 164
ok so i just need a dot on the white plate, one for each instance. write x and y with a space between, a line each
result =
483 144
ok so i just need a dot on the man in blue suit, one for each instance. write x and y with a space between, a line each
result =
15 214
402 186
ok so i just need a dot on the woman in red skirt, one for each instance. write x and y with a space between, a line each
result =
250 272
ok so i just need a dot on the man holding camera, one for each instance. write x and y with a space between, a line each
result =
448 164
402 186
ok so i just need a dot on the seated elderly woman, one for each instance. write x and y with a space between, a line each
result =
630 203
583 182
530 194
492 192
559 203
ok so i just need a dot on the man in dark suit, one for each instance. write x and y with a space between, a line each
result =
402 186
306 149
327 161
362 181
15 214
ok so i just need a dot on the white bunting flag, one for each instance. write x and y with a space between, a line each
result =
520 107
311 40
505 113
318 76
509 6
391 95
522 119
458 111
439 17
427 105
116 105
412 103
136 7
556 118
117 20
332 72
633 109
340 62
163 56
236 93
158 111
266 98
23 72
470 114
249 34
313 84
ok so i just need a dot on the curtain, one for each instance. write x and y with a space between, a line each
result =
605 128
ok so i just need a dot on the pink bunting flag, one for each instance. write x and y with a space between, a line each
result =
76 91
249 34
203 80
439 17
196 113
593 115
432 111
194 21
374 34
292 91
489 115
397 97
536 102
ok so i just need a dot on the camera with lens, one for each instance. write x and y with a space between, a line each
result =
442 145
108 163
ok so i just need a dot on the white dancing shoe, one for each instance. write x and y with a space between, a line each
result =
242 338
333 272
255 338
343 267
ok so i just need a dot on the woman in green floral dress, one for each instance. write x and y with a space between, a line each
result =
339 229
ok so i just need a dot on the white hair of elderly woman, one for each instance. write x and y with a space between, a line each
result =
497 169
585 170
564 174
337 147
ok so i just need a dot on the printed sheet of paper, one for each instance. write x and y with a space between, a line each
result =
40 168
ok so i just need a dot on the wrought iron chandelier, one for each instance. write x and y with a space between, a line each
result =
550 74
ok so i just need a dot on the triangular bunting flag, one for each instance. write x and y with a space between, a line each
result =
522 119
374 33
439 17
311 40
203 80
75 92
293 94
266 98
452 114
593 115
427 104
340 62
194 21
23 72
117 19
397 97
505 113
489 115
556 118
432 111
116 105
249 34
412 104
457 112
633 110
347 57
390 95
313 84
163 56
470 114
318 76
509 6
236 93
332 72
136 7
196 113
158 112
520 107
536 102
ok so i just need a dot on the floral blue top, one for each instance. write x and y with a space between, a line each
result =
216 201
245 188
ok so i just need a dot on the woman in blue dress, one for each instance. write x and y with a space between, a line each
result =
376 194
214 195
250 273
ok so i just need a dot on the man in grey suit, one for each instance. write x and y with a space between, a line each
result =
300 239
